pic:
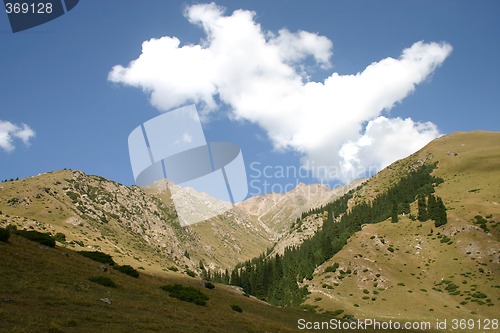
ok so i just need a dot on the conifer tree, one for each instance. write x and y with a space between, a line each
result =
441 217
432 207
405 207
329 219
277 279
422 209
394 215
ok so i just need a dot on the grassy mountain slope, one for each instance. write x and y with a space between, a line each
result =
48 290
307 227
98 214
250 227
278 211
221 241
413 270
139 226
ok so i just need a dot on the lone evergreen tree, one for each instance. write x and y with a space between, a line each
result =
422 209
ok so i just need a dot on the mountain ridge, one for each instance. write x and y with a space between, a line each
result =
439 270
453 265
141 225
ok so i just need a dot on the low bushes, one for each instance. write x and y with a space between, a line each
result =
127 269
236 308
332 268
36 236
60 237
98 256
209 285
187 294
103 281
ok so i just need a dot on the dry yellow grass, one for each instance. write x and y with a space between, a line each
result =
402 282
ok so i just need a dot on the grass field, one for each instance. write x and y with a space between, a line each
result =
48 290
412 270
404 271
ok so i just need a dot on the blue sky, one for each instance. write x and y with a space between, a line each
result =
55 78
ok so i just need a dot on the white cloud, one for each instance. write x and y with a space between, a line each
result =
10 131
262 77
385 140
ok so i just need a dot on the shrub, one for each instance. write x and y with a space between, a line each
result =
36 236
127 269
98 256
337 313
103 281
479 295
332 268
4 235
73 196
12 228
309 307
60 237
209 285
190 273
451 287
187 294
236 308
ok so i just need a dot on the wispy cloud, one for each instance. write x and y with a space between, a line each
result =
262 76
9 132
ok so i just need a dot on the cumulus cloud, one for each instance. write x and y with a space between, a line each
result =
9 132
385 140
263 78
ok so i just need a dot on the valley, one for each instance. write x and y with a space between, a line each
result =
395 268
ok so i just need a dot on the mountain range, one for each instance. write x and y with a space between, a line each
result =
409 270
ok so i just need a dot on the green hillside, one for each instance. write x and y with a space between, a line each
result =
46 289
408 270
372 258
430 272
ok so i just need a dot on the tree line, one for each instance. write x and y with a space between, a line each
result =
275 279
